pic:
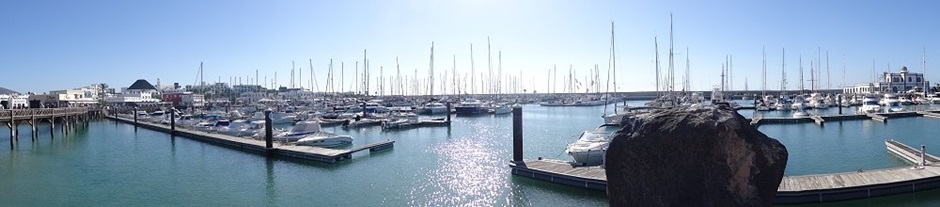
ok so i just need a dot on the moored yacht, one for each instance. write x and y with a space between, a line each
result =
312 136
592 145
471 107
433 108
869 105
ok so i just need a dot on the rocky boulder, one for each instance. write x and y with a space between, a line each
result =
707 156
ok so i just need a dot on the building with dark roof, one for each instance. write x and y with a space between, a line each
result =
139 92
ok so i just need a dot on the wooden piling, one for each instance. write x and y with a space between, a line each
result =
448 113
172 121
839 102
268 131
135 116
517 133
52 128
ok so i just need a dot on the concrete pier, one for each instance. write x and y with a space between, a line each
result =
321 154
792 190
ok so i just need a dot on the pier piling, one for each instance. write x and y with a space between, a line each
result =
923 153
839 102
517 133
268 133
448 113
172 120
135 116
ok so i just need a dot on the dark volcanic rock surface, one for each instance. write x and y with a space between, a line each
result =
693 157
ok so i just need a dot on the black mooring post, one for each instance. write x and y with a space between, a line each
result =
448 112
268 133
172 121
135 116
839 103
517 133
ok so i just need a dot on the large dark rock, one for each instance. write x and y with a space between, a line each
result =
693 157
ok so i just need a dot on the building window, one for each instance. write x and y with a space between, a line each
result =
919 79
909 79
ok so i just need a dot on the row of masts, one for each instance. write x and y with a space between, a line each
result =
449 83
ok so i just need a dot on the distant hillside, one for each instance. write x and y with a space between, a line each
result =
6 91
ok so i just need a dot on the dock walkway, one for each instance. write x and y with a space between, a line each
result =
792 189
321 154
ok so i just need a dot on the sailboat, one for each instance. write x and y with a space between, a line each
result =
764 104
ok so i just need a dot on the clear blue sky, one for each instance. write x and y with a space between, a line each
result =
48 45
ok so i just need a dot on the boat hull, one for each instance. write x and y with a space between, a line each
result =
471 111
592 157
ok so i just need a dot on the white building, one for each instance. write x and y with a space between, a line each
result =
139 92
10 101
891 83
74 97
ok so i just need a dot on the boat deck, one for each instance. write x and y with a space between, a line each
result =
792 189
321 154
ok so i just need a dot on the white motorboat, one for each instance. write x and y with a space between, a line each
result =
818 101
351 113
799 103
233 129
800 113
502 108
185 120
470 107
209 126
400 120
325 139
904 100
869 105
308 133
299 131
433 108
156 117
592 145
888 97
933 98
283 118
893 105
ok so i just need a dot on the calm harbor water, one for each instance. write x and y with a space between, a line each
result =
111 164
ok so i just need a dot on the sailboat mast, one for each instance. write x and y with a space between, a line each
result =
454 74
783 71
431 71
473 82
399 89
489 68
801 73
613 55
656 47
672 73
828 75
554 79
356 76
688 83
316 86
763 91
292 74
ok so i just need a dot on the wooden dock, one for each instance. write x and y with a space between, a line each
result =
929 114
819 120
792 189
561 172
756 120
321 154
910 154
878 117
